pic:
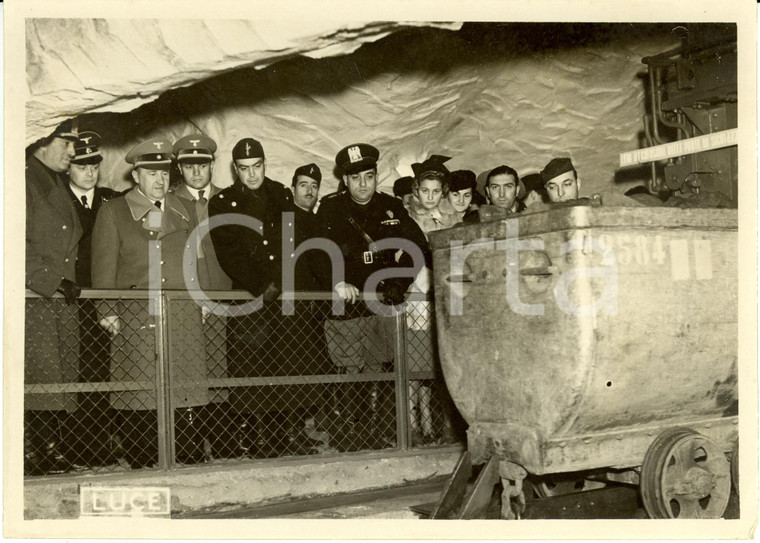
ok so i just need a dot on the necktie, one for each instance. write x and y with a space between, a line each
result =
202 213
158 204
84 202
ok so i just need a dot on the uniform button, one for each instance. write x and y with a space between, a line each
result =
290 224
292 255
271 257
163 279
143 220
266 242
162 262
221 196
64 227
151 233
291 239
192 279
234 204
65 259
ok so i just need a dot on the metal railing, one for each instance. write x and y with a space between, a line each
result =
185 383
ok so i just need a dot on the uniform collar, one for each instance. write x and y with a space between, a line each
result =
192 194
140 205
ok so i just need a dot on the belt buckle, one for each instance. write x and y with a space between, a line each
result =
368 258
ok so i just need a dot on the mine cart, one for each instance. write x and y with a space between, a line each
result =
600 340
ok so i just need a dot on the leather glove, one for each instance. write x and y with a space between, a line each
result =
270 293
70 291
393 293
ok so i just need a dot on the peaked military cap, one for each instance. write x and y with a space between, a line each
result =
194 148
555 167
462 180
247 148
67 130
87 149
155 152
403 186
357 157
309 170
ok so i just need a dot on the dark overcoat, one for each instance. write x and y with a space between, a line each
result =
126 230
51 327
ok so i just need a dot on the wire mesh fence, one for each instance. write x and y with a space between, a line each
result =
184 383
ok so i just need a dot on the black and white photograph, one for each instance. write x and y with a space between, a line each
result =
387 263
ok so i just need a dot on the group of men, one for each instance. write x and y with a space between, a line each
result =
155 238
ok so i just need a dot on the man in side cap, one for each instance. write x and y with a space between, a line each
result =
253 260
355 220
561 180
53 232
150 227
90 435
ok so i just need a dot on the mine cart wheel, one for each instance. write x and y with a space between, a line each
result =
559 484
685 475
735 466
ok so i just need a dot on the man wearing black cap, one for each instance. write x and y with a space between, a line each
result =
561 180
253 261
139 242
53 232
91 433
356 220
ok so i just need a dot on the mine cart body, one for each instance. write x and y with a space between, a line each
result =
621 324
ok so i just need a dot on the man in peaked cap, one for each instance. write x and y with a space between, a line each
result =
53 232
253 260
195 161
128 235
91 435
355 220
561 180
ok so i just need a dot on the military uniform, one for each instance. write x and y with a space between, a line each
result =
253 261
90 435
51 326
125 230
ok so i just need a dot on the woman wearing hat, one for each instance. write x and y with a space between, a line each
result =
430 208
462 192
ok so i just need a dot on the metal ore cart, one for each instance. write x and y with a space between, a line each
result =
594 338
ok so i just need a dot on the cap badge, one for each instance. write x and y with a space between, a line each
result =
311 170
88 150
195 151
354 154
86 141
195 142
158 144
158 157
389 213
247 148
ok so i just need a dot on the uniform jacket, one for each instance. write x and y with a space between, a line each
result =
87 220
120 237
121 240
382 217
210 272
312 268
51 353
251 259
52 230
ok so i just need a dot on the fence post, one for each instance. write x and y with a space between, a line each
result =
402 386
163 390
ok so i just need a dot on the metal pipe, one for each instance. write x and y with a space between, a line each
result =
655 133
163 390
658 108
402 381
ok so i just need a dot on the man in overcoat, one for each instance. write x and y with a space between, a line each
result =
90 434
51 326
194 155
138 242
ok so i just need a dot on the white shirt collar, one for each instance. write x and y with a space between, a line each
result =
78 192
194 192
151 199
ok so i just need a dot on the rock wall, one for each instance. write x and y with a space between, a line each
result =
486 94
